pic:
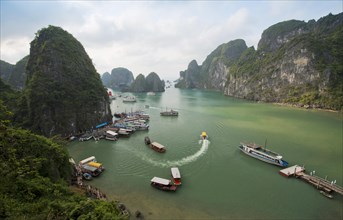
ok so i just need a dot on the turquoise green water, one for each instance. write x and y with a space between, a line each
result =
219 181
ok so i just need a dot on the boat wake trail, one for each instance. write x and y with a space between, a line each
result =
183 161
152 107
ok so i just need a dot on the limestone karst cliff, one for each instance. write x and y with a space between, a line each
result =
296 62
63 93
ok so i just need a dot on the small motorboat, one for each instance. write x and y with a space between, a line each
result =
203 135
326 194
147 140
87 176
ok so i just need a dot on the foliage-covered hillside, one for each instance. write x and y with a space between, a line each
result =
296 62
35 172
63 93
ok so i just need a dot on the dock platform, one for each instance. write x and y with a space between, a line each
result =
316 181
292 171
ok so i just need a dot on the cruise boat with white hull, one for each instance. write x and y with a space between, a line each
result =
263 154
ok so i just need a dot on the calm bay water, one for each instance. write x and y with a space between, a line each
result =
219 181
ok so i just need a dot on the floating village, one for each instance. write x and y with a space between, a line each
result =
126 124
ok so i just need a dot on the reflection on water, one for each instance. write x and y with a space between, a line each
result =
218 181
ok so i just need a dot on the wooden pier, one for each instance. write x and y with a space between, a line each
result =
316 181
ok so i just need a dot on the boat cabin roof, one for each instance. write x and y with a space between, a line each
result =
87 160
175 172
95 164
160 181
155 144
90 168
112 133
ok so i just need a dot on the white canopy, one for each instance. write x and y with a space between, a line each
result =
175 172
87 160
111 133
160 180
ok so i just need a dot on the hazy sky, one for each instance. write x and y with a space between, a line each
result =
149 36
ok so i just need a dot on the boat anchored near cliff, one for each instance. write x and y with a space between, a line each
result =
263 154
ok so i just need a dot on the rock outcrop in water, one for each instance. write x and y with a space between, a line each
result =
296 62
152 83
63 93
120 78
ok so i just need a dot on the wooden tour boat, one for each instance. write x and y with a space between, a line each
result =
169 113
162 184
158 147
175 172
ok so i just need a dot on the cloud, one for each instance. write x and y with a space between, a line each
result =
12 50
144 36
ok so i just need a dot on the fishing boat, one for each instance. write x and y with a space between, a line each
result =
169 113
129 99
203 135
162 184
91 170
175 172
263 154
111 135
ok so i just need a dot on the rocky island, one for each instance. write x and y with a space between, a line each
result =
296 62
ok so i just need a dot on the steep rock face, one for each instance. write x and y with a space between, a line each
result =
5 70
212 74
17 78
278 34
296 62
139 85
190 78
120 78
151 83
14 75
64 93
298 65
154 83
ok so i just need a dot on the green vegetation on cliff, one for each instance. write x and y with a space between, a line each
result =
64 93
35 172
296 62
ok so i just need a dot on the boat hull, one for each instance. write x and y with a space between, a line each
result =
276 162
164 188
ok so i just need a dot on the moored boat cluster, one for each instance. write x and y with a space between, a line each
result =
124 125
